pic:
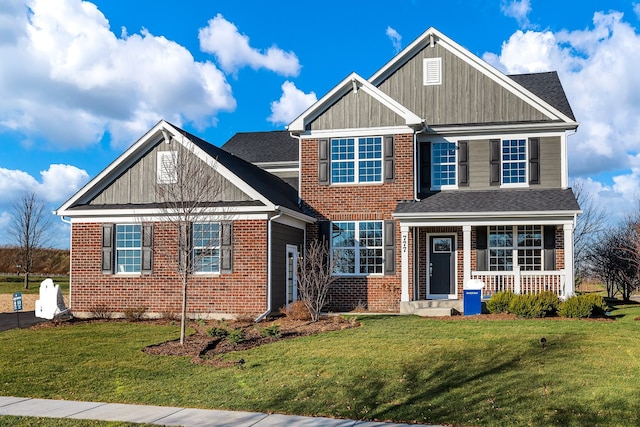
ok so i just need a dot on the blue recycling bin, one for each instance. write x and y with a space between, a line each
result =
472 297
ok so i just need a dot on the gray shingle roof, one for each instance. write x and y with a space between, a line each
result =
263 147
465 202
547 86
270 186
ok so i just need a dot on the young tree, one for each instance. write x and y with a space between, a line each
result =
187 187
315 275
29 230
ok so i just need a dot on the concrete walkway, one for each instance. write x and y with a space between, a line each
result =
165 415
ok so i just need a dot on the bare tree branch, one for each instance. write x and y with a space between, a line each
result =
315 275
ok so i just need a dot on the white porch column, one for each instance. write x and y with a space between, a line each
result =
568 260
404 252
466 253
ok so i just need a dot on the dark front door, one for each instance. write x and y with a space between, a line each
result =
441 276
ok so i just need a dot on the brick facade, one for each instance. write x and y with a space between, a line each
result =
360 203
243 291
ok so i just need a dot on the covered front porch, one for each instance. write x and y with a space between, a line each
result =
518 251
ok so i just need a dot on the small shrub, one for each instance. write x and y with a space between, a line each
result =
548 302
499 302
600 306
217 332
576 307
135 314
526 306
200 322
271 331
236 336
170 315
101 311
297 310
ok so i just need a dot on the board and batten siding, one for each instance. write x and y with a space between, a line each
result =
465 96
137 184
356 110
282 235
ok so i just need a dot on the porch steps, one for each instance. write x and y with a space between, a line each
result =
432 308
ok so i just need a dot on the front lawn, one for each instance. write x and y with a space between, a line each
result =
401 368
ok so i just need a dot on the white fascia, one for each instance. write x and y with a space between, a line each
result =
356 132
163 218
505 128
486 218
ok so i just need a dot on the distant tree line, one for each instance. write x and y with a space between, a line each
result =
48 261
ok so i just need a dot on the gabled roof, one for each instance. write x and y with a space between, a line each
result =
263 147
351 83
506 202
264 188
548 87
552 107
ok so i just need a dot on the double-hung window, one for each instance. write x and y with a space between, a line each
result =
206 247
356 160
128 248
357 247
443 169
514 161
527 246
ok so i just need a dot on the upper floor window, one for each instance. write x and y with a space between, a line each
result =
357 247
206 247
128 248
356 160
527 247
514 161
443 168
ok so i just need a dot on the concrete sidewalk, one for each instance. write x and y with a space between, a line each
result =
165 415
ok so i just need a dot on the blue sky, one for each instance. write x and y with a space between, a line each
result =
81 81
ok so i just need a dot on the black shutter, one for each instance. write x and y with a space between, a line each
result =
549 247
425 166
389 159
389 247
481 249
534 161
494 159
226 247
107 249
324 231
463 163
323 161
147 248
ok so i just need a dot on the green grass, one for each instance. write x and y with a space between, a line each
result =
11 421
400 368
11 284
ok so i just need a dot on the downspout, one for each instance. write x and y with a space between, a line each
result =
415 160
269 266
66 221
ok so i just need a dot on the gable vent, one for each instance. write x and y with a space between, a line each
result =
432 71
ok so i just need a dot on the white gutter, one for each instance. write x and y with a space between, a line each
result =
269 266
67 221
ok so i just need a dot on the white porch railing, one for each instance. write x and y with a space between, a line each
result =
521 282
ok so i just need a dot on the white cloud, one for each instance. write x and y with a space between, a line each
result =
636 9
68 67
232 50
518 9
396 39
291 104
56 185
598 69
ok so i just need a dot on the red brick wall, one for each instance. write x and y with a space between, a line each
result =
360 203
243 291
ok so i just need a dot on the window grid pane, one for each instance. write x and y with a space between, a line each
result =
370 156
356 160
342 160
530 247
528 244
128 248
444 164
514 165
501 248
206 247
360 253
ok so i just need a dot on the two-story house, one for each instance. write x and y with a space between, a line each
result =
436 170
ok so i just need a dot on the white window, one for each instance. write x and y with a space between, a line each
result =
356 160
167 167
443 168
432 71
128 248
357 247
206 247
514 161
527 246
